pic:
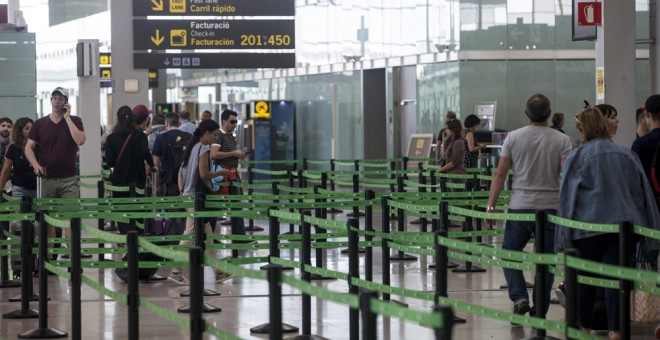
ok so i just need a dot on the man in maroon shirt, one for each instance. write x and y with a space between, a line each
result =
59 134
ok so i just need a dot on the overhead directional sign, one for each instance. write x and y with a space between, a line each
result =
143 8
213 34
214 60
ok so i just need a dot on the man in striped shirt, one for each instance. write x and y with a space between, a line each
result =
225 153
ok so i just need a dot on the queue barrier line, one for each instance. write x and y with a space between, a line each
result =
612 270
587 280
270 172
549 259
595 227
114 200
88 185
16 217
320 292
491 216
462 306
270 181
391 309
319 161
295 190
374 164
646 232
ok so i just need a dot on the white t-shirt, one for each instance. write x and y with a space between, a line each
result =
536 153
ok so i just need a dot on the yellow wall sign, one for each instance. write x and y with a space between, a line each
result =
177 6
261 110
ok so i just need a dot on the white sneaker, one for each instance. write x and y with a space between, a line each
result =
177 277
222 276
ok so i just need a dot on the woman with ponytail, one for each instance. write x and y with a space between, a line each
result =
195 167
126 151
16 165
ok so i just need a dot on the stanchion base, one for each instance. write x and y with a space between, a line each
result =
33 297
157 277
264 267
306 337
538 337
458 319
403 257
418 221
265 329
450 265
207 292
471 269
206 308
350 214
10 284
43 333
527 284
21 314
334 211
255 228
360 251
319 277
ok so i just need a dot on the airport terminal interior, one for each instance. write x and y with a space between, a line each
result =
354 229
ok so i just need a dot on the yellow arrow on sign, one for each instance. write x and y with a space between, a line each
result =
158 39
158 5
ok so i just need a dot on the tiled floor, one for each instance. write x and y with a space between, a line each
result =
245 305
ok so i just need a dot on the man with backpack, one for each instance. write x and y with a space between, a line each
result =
168 152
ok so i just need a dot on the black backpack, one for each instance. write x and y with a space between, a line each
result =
177 149
144 274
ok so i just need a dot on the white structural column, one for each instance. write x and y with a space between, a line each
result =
89 106
615 53
123 73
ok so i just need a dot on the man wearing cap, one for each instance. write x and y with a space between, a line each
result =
142 118
59 135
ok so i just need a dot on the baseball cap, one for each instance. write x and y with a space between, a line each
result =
141 111
653 104
60 91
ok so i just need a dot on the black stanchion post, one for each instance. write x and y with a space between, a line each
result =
385 249
440 265
250 174
356 189
132 226
275 294
443 185
571 285
422 188
332 184
306 259
320 213
76 281
200 237
447 315
392 175
444 225
404 163
133 287
625 286
353 272
401 225
541 270
43 332
27 262
305 165
369 195
196 297
369 319
100 187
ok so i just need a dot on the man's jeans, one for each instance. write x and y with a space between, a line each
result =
516 236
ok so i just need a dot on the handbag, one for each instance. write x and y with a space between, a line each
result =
644 306
121 152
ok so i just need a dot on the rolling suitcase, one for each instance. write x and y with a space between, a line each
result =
16 261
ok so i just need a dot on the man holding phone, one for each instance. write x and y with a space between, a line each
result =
58 135
225 153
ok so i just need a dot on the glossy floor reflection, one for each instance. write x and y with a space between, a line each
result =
244 304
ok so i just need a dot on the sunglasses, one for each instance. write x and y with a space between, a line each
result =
233 122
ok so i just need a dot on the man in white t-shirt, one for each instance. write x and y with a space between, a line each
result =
536 154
